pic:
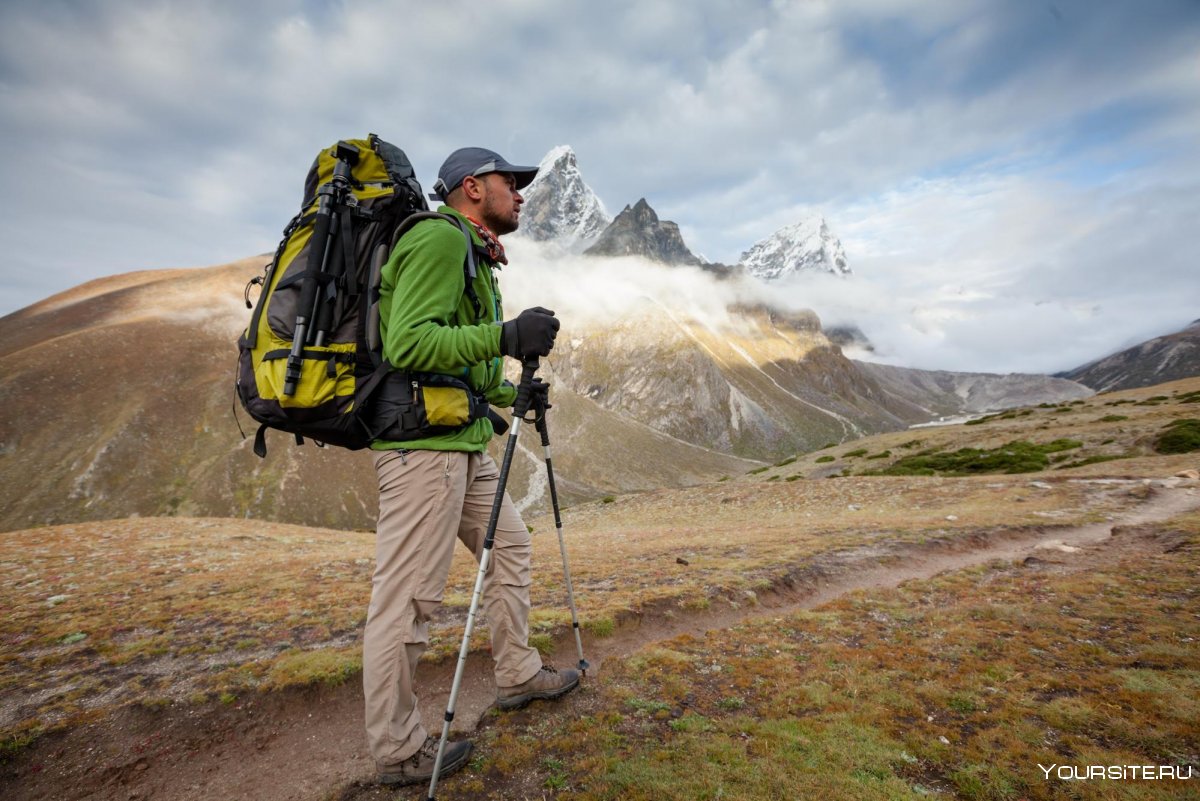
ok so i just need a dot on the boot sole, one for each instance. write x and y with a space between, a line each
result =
402 779
518 701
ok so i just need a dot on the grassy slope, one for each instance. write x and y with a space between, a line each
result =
154 610
958 686
165 609
1116 432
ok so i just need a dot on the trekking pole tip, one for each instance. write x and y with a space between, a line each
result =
583 666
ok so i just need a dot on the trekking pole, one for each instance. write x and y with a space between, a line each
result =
524 393
331 196
539 422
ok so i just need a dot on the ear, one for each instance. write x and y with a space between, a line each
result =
472 187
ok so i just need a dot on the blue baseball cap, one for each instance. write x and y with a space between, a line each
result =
475 161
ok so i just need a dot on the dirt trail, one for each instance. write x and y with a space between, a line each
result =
310 744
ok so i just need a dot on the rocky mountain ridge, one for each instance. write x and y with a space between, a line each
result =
559 205
637 231
942 393
1164 358
804 246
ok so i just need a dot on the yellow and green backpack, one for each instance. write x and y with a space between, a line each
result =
310 362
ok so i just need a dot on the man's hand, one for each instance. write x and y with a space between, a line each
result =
531 334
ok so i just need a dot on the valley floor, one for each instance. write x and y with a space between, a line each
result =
908 615
742 675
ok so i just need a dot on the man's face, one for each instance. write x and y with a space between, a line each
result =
501 202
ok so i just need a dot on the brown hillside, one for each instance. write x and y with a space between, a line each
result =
118 399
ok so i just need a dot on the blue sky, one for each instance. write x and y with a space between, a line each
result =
1016 182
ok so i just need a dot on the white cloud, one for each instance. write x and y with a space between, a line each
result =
586 291
1009 273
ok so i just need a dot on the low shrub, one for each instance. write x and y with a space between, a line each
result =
1181 436
1011 414
1018 456
1097 459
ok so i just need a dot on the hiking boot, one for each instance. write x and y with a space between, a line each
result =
419 767
547 683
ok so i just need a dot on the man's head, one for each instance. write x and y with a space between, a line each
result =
481 183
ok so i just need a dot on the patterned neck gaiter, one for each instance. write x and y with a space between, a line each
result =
494 248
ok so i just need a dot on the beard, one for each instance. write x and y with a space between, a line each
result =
500 216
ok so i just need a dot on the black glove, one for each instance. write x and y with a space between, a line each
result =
531 334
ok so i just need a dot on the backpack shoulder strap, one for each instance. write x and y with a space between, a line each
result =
470 264
411 220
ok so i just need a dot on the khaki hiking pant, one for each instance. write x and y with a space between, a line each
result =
427 499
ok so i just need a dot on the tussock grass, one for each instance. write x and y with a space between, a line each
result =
328 667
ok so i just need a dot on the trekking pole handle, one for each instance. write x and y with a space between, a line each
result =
525 388
539 422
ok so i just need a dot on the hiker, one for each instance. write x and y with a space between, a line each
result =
437 489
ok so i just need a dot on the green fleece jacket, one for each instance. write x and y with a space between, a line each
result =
430 325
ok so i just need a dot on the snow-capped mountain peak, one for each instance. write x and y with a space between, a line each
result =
807 245
559 205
